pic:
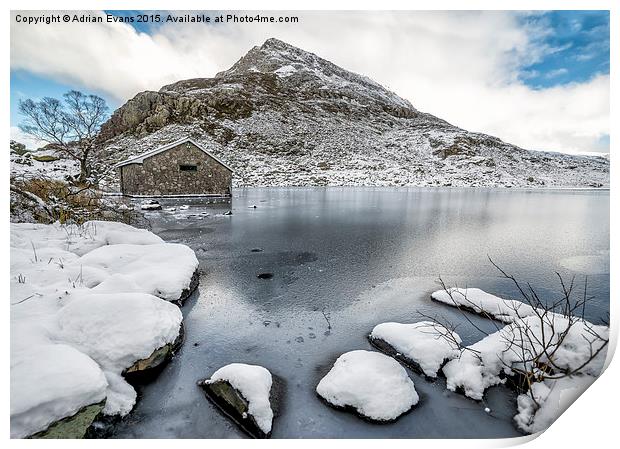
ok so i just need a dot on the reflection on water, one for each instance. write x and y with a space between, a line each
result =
358 256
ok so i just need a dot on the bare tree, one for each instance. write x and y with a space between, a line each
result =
532 343
69 126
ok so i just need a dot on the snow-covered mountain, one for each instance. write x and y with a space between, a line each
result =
282 116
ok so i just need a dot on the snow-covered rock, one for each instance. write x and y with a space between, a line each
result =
163 270
425 345
243 391
483 303
116 330
49 382
373 384
150 205
536 342
479 366
77 322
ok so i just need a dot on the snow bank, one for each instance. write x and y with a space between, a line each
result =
254 384
82 311
482 363
479 301
78 239
424 343
375 385
163 270
479 366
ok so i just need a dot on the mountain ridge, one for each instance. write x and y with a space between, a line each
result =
283 116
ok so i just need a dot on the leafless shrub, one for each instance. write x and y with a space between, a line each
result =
534 340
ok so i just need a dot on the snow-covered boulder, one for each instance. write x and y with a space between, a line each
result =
116 330
82 315
372 384
49 382
424 346
483 303
243 393
164 270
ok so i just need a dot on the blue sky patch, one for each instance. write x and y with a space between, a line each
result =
576 48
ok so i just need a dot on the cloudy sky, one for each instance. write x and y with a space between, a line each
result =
538 80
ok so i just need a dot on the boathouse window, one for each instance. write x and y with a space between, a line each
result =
188 167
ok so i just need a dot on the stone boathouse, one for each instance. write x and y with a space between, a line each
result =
180 168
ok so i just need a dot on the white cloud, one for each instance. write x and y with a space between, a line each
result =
30 142
460 66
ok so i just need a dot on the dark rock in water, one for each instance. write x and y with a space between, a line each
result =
72 427
232 403
264 275
186 293
147 369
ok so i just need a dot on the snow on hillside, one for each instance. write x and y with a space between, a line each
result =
282 116
81 314
42 163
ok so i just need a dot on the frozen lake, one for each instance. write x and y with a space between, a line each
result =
363 256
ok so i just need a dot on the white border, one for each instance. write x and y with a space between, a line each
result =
590 422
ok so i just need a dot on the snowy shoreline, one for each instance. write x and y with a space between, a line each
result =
568 353
87 303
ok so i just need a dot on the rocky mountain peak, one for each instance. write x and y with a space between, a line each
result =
285 116
303 69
